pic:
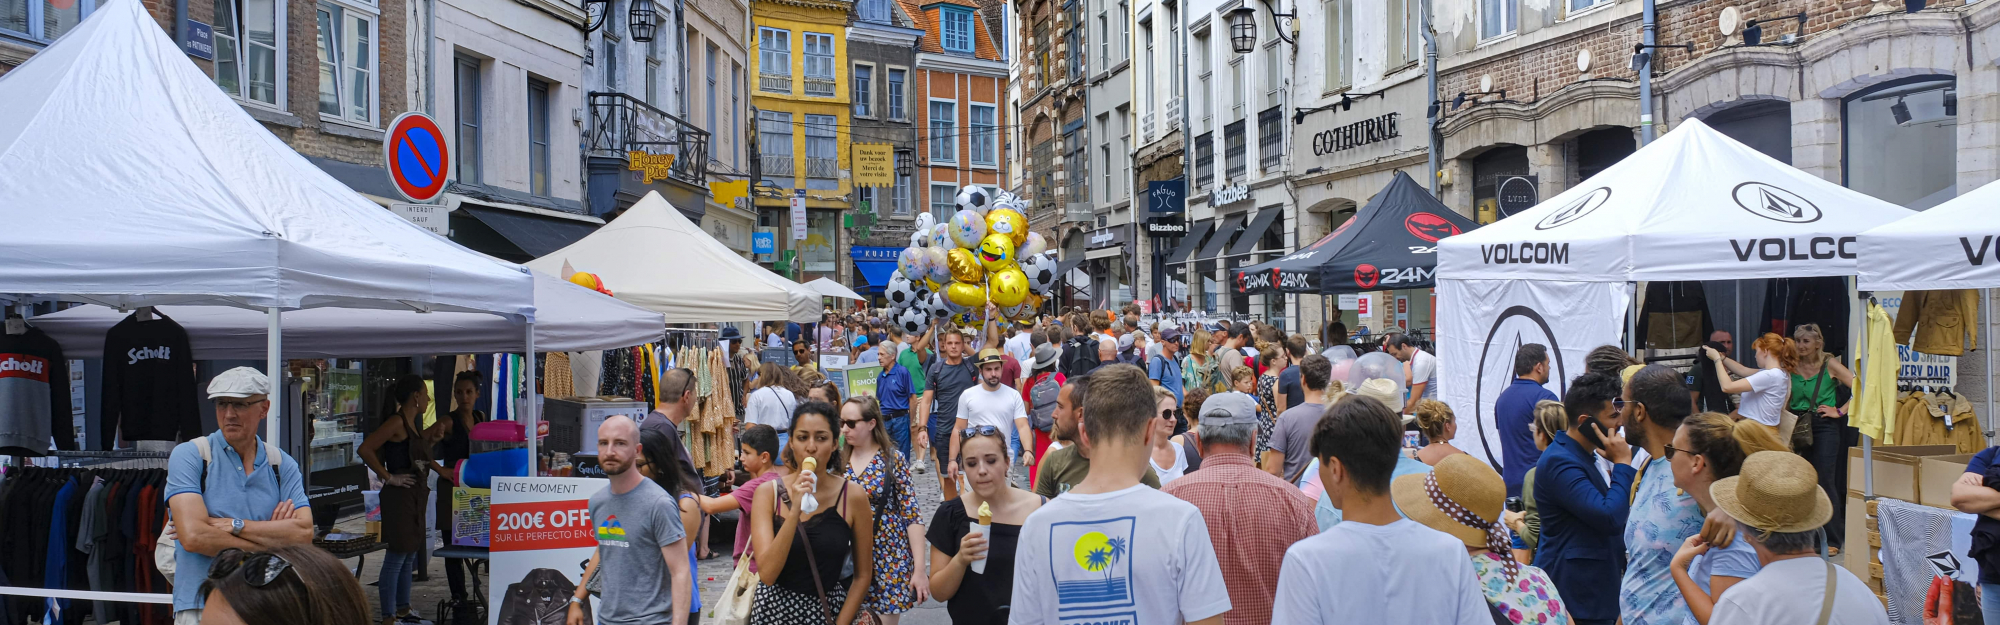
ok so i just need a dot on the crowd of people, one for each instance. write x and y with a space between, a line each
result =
1095 468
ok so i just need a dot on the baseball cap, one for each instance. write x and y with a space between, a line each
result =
990 356
1229 408
239 382
861 341
1125 342
1170 334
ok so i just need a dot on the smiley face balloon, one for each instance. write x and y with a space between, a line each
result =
1007 287
964 266
996 252
1008 222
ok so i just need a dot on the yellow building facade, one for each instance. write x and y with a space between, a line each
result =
801 95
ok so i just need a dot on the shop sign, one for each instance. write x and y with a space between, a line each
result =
1229 195
1912 366
1108 237
200 42
1372 130
1165 226
1517 193
874 165
874 253
650 166
1166 196
763 243
432 217
798 204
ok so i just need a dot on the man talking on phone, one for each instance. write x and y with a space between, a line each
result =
1583 517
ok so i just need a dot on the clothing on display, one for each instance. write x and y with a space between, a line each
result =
710 431
34 394
115 514
558 376
1675 316
1792 302
149 384
1875 406
1944 322
1941 418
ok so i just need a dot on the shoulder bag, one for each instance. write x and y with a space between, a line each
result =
733 608
1801 435
812 563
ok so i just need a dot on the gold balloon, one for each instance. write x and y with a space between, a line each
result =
1009 222
967 295
964 266
1007 287
996 253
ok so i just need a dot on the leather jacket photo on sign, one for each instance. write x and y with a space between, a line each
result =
1944 321
540 598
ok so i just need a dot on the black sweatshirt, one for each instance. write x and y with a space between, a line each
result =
34 395
149 385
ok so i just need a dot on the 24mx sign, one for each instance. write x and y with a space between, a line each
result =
1369 276
1246 282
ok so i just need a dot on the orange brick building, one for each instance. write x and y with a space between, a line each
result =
961 113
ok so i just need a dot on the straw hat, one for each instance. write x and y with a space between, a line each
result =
1382 390
1474 491
1776 492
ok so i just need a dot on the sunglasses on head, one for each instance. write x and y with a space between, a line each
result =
980 430
259 569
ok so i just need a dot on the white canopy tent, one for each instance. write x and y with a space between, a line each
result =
1693 205
829 288
655 258
568 318
133 181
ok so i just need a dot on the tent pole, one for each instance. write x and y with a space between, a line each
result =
1632 319
1986 334
1860 379
274 360
531 415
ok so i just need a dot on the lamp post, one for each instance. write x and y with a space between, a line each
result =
644 20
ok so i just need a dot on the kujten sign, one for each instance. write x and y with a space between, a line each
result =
1357 134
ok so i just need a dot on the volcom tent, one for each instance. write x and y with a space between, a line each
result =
568 318
1694 205
829 288
654 257
1389 244
132 181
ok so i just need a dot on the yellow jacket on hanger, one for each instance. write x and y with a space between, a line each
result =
1944 321
1874 410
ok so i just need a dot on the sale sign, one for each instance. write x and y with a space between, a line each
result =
542 538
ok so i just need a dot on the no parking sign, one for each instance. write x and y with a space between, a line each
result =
418 161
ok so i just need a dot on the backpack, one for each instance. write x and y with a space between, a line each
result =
1080 356
164 557
1042 402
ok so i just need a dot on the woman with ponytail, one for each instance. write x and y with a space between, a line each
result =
1764 388
1707 448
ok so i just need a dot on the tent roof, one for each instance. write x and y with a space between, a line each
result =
1949 246
570 318
131 181
654 257
1694 205
830 288
1396 235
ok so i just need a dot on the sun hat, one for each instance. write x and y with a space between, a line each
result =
1382 390
1462 497
990 356
1776 492
1046 356
1228 408
239 382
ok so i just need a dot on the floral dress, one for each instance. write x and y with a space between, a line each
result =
891 495
1267 411
1528 599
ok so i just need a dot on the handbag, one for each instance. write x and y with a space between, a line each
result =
733 607
1801 435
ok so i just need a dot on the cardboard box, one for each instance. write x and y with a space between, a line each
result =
1898 469
1937 474
1859 552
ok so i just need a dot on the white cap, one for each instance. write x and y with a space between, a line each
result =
239 382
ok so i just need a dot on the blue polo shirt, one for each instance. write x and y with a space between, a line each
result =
230 495
1512 414
892 388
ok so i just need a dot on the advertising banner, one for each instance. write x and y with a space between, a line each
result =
1485 321
874 165
541 540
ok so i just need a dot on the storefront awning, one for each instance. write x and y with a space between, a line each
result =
1221 238
534 235
1190 242
1063 268
1253 235
877 272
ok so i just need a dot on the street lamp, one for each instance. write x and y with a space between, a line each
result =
903 165
1243 30
644 20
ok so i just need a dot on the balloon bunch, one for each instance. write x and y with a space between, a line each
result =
984 253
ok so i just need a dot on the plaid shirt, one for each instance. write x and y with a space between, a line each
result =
1253 517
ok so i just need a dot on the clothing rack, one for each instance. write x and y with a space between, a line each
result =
121 459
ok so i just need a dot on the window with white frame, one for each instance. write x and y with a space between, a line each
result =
1404 31
709 110
1124 154
653 72
249 63
944 126
1273 75
1339 44
1578 5
902 187
466 107
774 60
957 31
822 158
1205 93
1124 17
735 114
346 63
985 135
944 199
1498 17
45 21
864 90
1145 67
538 137
819 64
774 145
1237 89
896 100
1103 41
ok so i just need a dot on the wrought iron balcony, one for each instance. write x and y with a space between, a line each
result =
775 83
818 86
776 164
621 124
822 167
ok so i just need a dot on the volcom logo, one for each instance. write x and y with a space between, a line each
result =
1775 204
1516 326
1815 248
1576 209
1525 254
148 353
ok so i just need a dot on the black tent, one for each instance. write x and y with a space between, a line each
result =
1389 244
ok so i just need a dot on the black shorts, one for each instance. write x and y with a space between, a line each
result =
941 444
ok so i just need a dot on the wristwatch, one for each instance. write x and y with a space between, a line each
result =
236 527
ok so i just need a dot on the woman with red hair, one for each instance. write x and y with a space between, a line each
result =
1765 388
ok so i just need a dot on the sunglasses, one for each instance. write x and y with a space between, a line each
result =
1167 414
845 423
1620 404
980 430
1671 451
259 569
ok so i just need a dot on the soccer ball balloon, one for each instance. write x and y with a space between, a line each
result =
938 307
1041 271
901 291
913 320
975 199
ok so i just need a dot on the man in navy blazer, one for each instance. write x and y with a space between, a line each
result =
1583 518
